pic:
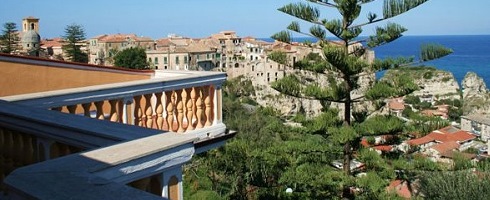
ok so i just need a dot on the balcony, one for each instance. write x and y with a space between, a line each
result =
68 128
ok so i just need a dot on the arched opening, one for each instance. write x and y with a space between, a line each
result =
32 26
173 188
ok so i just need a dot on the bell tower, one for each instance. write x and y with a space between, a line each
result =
30 23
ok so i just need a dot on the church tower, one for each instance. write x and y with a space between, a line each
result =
30 23
31 40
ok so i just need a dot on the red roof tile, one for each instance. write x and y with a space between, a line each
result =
462 136
446 146
401 188
395 105
420 141
383 148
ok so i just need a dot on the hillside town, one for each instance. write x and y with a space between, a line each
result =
248 58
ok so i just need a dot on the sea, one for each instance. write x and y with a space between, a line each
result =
471 53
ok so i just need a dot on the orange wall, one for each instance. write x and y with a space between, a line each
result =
19 78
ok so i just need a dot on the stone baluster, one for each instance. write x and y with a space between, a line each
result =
208 106
28 150
8 151
218 105
199 107
159 110
99 110
190 108
72 109
17 150
181 96
86 109
148 110
138 113
169 100
126 114
114 117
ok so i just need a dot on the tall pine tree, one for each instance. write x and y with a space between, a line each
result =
74 37
9 38
344 64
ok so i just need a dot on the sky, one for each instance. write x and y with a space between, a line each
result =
201 18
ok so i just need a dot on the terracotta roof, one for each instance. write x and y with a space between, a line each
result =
462 136
448 129
395 105
383 148
55 42
401 188
121 38
420 141
445 146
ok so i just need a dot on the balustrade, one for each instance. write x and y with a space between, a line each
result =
19 149
178 110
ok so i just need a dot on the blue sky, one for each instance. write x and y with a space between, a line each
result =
200 18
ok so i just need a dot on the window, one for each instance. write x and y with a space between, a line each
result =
165 67
253 67
149 60
165 60
185 59
177 60
198 56
207 56
156 60
27 45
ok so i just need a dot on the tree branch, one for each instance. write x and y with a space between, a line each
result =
331 5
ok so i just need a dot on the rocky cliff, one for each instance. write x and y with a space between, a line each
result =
441 84
476 97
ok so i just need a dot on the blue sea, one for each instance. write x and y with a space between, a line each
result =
471 53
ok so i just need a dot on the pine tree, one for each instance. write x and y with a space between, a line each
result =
74 37
343 63
9 38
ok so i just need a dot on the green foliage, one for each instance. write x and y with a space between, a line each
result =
381 125
239 87
434 51
423 125
289 85
411 99
279 57
73 38
428 75
455 185
131 58
9 38
312 62
393 8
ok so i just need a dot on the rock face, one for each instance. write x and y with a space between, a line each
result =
438 83
473 86
475 95
265 95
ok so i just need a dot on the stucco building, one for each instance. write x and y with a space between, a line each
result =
102 48
477 124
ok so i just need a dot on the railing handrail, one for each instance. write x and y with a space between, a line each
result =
68 128
122 90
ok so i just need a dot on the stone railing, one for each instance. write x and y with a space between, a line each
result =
31 135
177 102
